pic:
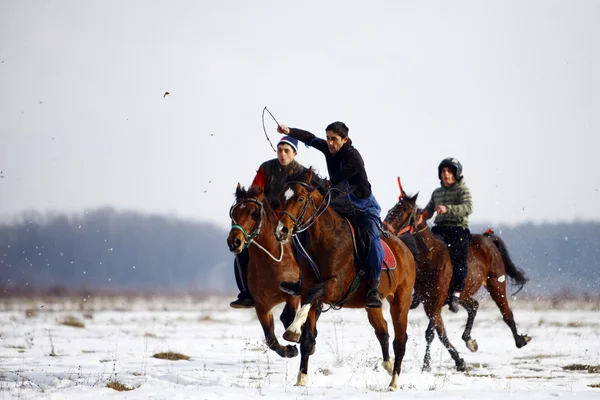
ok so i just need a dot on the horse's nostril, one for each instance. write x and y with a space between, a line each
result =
237 242
284 230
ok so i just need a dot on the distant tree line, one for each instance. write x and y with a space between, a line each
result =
106 250
111 251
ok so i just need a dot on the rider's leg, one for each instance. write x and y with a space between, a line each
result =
244 298
458 240
374 259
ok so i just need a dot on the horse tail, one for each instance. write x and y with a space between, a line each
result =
516 274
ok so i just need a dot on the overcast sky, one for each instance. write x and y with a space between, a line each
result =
510 88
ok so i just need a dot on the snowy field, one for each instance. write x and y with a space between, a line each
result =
41 358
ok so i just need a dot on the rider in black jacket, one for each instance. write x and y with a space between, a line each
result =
346 168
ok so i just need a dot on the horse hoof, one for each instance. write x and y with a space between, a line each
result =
291 351
290 336
461 366
394 383
389 366
472 345
522 340
302 379
426 368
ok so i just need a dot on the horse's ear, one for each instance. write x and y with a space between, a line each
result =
414 198
239 191
308 175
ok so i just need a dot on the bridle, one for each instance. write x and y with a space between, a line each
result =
253 235
251 238
299 224
409 224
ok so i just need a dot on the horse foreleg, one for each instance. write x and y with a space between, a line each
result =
381 331
294 331
289 311
265 317
399 311
438 323
498 292
307 346
471 305
429 335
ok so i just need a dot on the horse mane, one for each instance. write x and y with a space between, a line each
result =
340 202
317 181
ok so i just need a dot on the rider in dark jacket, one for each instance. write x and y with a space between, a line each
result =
271 178
346 168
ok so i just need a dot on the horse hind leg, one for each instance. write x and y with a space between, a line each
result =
471 305
498 292
265 317
380 326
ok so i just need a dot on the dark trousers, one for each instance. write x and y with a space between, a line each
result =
371 249
457 239
368 227
240 269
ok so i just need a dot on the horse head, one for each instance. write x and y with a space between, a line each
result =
403 215
297 202
246 215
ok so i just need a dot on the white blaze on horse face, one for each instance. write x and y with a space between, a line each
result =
300 319
288 194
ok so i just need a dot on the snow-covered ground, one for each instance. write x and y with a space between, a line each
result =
228 357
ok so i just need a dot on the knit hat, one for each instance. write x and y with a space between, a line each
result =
292 141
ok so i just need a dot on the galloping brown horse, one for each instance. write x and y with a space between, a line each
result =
488 264
271 262
331 251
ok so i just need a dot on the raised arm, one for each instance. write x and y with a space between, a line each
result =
305 137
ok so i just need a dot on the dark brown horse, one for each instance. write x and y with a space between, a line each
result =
488 264
330 246
270 262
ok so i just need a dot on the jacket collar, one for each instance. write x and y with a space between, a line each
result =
347 146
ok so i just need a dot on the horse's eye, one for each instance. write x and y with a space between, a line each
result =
300 199
254 214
